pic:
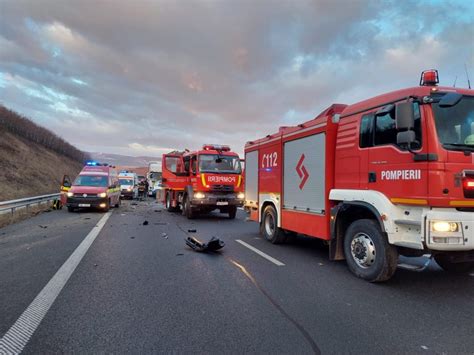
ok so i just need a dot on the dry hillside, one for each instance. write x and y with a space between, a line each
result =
32 159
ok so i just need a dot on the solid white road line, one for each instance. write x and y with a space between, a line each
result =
261 253
14 341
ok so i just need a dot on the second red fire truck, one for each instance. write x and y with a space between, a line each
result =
202 181
389 176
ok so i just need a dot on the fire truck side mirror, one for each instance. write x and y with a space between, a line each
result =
406 138
404 116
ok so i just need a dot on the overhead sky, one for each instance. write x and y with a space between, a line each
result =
144 77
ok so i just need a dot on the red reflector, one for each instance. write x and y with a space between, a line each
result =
429 77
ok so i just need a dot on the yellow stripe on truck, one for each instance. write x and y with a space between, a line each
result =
409 201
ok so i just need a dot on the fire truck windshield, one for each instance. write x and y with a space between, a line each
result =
90 180
455 124
211 163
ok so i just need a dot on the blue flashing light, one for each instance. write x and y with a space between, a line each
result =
91 163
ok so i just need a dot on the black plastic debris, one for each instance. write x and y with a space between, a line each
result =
132 237
145 223
157 210
42 226
191 231
179 254
213 244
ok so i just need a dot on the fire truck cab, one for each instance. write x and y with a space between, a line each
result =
388 176
202 181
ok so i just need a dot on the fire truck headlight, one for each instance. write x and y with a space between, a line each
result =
102 194
70 194
199 195
444 227
240 195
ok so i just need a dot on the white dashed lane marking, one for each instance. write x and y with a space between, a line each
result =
261 253
15 340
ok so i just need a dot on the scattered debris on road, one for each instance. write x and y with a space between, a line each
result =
132 237
160 224
145 223
41 226
179 254
191 231
157 210
213 244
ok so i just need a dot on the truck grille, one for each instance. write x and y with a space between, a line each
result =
223 188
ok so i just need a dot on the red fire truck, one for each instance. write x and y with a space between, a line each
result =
202 181
388 176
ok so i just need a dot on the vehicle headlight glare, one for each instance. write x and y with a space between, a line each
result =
70 194
199 195
240 195
443 226
102 194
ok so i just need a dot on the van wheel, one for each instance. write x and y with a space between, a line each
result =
368 253
70 209
107 206
447 265
269 226
232 212
187 209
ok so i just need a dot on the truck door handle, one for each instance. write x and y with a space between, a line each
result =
372 176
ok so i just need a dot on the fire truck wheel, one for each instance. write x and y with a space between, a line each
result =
368 253
269 226
232 211
447 265
169 207
187 209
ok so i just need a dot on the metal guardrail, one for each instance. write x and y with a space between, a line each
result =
13 205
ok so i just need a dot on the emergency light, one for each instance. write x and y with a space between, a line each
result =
429 77
223 148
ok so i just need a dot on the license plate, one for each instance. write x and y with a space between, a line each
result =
84 205
222 203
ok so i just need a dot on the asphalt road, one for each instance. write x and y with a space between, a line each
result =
140 289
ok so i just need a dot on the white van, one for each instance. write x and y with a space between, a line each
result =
128 185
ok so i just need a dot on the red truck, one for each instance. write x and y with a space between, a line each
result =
392 175
202 181
96 186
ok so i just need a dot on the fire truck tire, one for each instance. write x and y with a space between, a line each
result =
169 206
269 226
368 253
447 265
187 209
232 212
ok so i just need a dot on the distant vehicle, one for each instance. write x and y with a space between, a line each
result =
128 185
141 178
203 181
96 186
154 174
156 186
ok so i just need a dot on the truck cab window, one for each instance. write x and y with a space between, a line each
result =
366 131
386 132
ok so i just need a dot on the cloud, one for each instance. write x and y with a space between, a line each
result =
141 77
